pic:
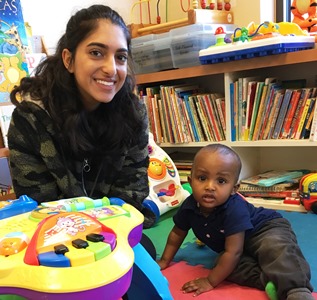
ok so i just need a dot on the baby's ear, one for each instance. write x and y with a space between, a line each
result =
235 188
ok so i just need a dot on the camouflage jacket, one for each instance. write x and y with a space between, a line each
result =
39 168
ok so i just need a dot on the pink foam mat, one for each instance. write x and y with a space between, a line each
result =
179 273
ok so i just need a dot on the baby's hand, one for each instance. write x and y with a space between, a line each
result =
163 264
198 286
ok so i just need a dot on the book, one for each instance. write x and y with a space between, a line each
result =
14 46
244 103
191 101
250 102
302 119
220 102
232 112
212 98
286 129
267 94
258 94
282 113
305 94
307 122
203 117
274 195
191 117
313 129
268 113
270 178
278 187
275 111
6 110
163 120
5 177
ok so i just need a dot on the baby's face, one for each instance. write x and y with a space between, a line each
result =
213 179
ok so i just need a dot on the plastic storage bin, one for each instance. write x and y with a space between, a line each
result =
143 54
187 41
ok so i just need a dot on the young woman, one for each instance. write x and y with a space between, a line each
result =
78 128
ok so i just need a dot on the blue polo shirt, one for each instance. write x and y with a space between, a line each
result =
235 215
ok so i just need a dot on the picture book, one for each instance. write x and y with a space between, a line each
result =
307 107
6 110
244 103
267 94
232 112
270 178
250 102
305 94
306 126
13 47
282 113
313 129
5 177
256 105
285 132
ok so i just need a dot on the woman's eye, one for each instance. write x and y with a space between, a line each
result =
95 53
122 58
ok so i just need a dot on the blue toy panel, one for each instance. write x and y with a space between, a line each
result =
251 51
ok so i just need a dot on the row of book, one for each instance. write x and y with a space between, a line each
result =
266 109
184 113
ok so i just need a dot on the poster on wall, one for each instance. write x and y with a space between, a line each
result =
13 47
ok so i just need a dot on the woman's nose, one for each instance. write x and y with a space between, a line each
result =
109 66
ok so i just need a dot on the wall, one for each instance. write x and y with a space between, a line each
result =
49 18
54 15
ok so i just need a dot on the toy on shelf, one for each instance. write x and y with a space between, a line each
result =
76 248
265 40
308 191
166 191
305 15
9 208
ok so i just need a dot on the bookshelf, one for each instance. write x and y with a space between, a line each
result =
261 155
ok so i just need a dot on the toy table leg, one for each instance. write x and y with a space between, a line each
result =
147 280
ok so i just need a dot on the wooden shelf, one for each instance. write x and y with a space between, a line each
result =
291 58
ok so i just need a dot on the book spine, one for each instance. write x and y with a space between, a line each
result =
213 119
281 115
306 127
313 130
302 119
290 115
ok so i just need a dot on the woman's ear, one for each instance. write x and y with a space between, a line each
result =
67 60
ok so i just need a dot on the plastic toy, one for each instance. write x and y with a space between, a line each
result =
14 207
166 191
247 45
76 248
308 192
305 14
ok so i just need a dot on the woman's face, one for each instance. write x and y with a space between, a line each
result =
100 64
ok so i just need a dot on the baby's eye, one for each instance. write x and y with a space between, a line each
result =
202 178
222 181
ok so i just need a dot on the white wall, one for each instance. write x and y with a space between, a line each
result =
49 18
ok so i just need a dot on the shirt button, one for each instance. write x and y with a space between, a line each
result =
205 224
208 236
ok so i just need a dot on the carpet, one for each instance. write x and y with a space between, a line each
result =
192 261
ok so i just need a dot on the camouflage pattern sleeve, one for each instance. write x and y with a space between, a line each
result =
29 172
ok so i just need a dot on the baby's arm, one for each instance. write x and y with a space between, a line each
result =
226 264
174 241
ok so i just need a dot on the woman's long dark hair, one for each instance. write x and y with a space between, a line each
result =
108 128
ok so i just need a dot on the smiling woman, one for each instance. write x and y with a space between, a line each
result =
80 130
